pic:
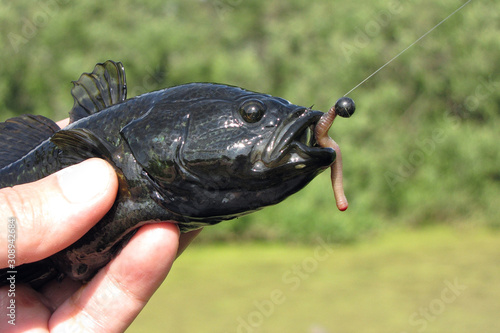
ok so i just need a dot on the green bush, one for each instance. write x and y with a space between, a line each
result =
422 147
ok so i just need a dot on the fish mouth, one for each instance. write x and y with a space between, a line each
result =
294 145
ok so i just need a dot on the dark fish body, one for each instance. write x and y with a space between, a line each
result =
196 154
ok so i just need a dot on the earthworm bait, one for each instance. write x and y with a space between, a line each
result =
345 108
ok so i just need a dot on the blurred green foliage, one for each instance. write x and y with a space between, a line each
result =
421 149
399 282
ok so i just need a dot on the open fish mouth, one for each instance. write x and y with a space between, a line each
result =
294 144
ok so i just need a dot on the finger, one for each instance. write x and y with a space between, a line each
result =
112 300
54 212
27 314
57 292
63 123
186 239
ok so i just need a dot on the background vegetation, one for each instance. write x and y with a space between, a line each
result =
421 150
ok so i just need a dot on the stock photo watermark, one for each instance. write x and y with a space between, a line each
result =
31 24
292 279
371 29
409 164
408 47
11 273
427 146
223 7
153 78
483 91
421 318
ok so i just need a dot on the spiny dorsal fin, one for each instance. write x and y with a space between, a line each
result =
95 91
20 135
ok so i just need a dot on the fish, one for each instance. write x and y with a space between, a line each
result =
194 154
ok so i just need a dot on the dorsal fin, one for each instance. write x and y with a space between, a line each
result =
21 134
95 91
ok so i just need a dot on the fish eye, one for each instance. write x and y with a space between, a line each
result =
252 111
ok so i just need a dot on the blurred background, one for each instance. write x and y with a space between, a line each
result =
418 250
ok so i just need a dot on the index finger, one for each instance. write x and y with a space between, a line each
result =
63 123
51 213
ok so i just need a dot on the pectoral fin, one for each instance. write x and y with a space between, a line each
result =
81 144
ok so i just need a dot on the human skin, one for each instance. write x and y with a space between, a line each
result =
76 198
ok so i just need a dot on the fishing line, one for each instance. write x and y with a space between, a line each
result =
406 49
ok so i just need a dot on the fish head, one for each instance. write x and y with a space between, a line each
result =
226 152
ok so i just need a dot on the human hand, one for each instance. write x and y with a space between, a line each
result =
54 212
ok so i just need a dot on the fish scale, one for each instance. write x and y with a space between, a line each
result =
192 154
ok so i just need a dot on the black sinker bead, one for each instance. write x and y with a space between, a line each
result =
345 107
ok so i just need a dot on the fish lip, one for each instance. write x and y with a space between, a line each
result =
293 143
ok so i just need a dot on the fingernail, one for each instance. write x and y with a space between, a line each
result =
85 181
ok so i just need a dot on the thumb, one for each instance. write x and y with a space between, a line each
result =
44 217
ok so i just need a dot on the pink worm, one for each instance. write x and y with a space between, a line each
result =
321 135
